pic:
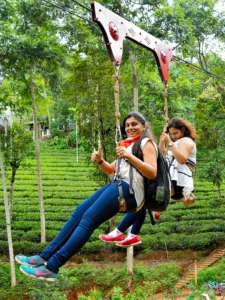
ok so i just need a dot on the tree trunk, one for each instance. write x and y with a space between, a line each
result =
11 191
8 224
37 150
49 116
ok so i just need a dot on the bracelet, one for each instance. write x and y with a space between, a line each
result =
170 144
100 162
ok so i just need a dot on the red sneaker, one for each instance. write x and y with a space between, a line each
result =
130 242
108 239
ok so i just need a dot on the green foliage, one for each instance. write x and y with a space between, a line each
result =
213 172
92 295
60 115
72 139
58 143
210 118
16 145
213 169
109 280
117 294
77 73
212 273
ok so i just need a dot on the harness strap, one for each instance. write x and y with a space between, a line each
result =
151 217
117 178
118 138
131 175
191 165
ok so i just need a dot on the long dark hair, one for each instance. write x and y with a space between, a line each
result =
179 123
136 150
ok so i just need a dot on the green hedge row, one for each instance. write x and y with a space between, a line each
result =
196 214
29 242
53 194
183 241
60 176
70 188
189 227
28 207
58 170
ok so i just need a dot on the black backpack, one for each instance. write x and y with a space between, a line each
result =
157 190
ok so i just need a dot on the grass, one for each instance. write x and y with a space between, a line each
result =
83 280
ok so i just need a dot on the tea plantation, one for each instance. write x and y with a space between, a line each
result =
66 183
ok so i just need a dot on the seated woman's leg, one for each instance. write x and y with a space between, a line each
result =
177 191
179 194
136 228
70 225
63 235
134 219
137 219
104 208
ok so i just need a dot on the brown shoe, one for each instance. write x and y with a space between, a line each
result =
189 200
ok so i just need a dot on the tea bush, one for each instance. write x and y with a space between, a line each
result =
67 183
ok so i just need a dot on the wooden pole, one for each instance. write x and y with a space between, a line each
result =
196 270
130 263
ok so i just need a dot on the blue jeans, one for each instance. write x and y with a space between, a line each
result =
136 219
95 210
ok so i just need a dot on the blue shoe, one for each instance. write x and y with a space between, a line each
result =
29 260
39 272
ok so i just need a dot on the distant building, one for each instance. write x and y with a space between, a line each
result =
43 130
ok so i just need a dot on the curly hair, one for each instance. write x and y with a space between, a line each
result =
179 123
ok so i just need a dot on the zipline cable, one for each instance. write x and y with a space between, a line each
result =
82 5
175 58
67 11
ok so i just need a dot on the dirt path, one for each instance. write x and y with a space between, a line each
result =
209 260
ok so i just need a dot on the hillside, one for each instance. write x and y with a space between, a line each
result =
66 183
